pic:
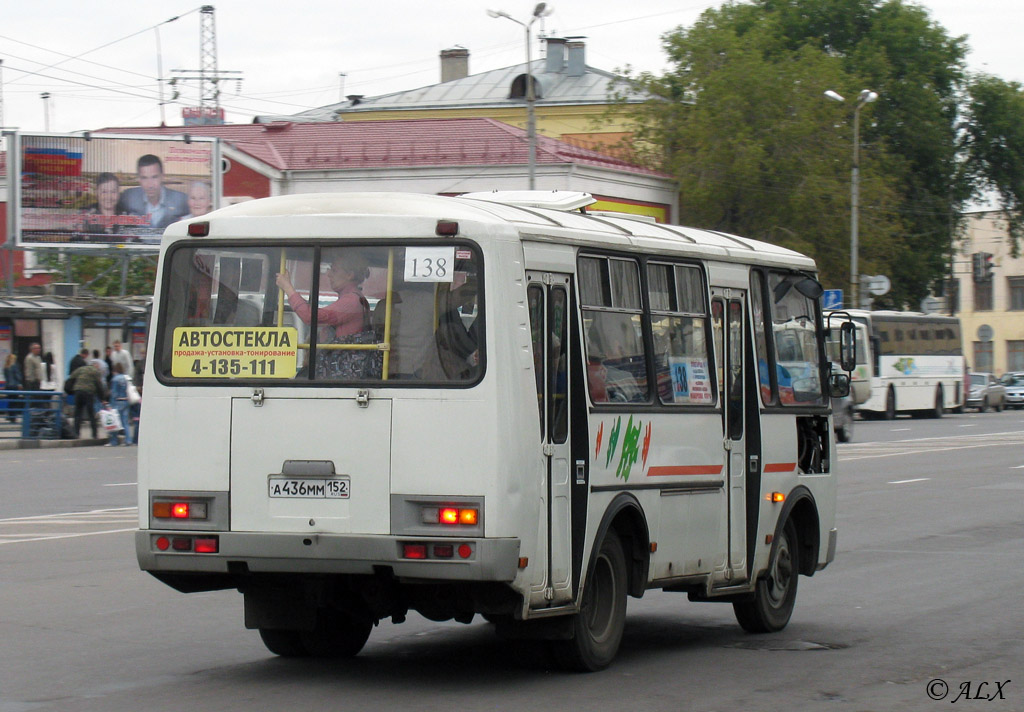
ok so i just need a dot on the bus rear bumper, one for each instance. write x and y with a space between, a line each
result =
253 552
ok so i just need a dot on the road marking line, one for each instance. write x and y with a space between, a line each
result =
122 484
67 536
69 514
904 482
900 430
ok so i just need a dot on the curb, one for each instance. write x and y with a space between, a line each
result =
27 444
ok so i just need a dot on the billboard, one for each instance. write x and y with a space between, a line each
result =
108 191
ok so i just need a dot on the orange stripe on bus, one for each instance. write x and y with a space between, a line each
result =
670 470
780 467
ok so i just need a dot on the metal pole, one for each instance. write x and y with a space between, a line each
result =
854 201
531 119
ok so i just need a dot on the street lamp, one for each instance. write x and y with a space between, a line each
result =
865 97
541 10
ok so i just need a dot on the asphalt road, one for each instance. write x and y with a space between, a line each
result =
925 592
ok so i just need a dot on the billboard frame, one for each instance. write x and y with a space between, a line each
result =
136 238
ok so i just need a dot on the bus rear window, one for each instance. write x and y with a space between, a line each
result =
325 313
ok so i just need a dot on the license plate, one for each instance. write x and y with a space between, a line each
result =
309 488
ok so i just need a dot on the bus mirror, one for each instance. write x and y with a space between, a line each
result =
838 385
847 346
810 288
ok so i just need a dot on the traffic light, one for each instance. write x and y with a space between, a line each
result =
981 266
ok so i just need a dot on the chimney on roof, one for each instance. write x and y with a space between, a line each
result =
555 62
577 58
454 64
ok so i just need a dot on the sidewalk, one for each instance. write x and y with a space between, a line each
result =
10 439
9 443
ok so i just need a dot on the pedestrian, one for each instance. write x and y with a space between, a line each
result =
119 355
49 373
12 382
100 365
88 388
110 365
79 360
32 371
119 401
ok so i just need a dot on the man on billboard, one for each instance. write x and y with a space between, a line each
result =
163 205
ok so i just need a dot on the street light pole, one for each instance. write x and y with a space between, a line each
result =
541 10
865 97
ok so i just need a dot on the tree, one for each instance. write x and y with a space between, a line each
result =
741 121
102 275
993 140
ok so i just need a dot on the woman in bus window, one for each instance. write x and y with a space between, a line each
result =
350 313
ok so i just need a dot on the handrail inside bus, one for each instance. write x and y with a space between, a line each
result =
384 345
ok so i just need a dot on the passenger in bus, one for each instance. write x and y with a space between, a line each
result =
457 344
413 344
607 382
350 313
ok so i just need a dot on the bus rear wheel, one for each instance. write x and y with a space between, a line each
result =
775 593
597 628
937 411
335 635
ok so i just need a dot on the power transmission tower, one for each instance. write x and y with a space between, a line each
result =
208 75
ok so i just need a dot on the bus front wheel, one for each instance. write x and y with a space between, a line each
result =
597 628
775 593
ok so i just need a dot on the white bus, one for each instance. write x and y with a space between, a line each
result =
918 363
521 412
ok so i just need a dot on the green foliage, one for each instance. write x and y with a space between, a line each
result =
741 120
994 142
102 275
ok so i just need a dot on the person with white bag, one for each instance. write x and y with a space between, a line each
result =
119 388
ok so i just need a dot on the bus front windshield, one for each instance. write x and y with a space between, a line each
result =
323 313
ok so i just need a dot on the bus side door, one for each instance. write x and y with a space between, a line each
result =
729 323
549 305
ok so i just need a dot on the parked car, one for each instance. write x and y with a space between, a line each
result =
986 392
1014 384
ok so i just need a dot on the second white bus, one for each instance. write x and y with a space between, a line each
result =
917 362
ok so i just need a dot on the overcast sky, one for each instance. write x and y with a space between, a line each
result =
289 54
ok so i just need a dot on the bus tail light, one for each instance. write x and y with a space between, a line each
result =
451 516
414 551
426 551
188 544
180 509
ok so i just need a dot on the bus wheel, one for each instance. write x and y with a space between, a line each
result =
937 412
775 593
286 643
597 628
890 405
336 635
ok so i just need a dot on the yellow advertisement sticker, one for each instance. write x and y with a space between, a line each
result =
234 352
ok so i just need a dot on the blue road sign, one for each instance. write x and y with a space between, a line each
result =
832 299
